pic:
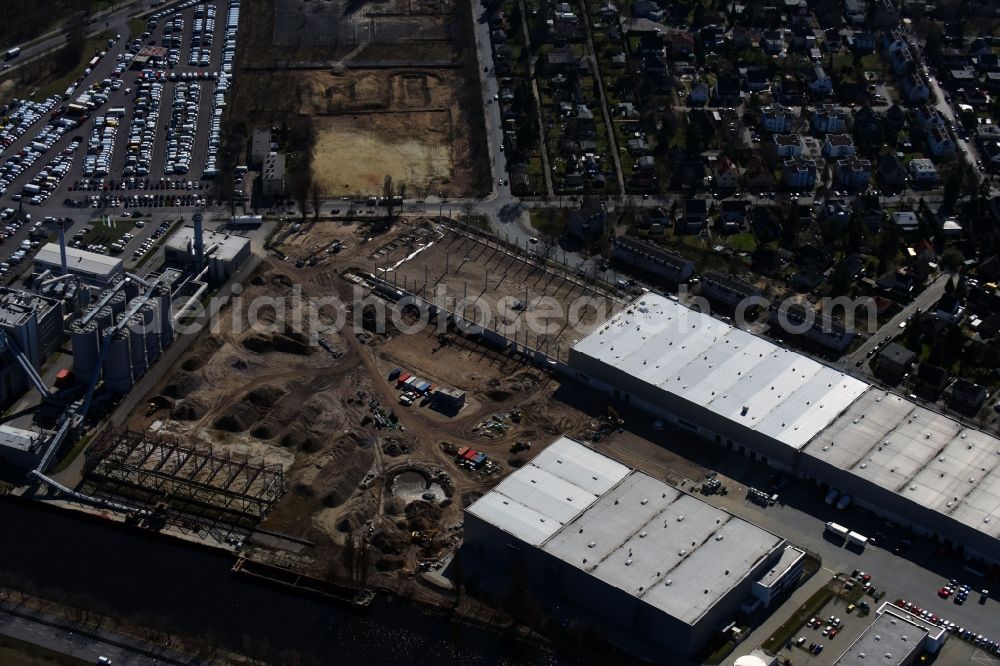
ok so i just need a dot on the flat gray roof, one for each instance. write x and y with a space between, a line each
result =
226 246
922 455
891 639
18 439
629 530
78 260
17 306
789 556
733 373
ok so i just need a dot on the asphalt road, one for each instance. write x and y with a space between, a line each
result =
924 301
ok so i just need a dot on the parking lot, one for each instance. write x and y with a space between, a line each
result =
140 128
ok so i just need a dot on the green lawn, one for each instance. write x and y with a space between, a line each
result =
101 233
812 606
742 242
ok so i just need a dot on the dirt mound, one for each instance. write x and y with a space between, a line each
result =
422 515
385 564
469 497
348 465
499 395
236 418
260 344
200 355
266 429
189 409
182 385
264 398
395 506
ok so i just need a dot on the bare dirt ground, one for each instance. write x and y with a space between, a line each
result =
546 308
353 487
395 95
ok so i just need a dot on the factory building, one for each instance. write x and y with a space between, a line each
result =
894 638
272 175
35 325
21 448
91 268
897 459
222 254
135 328
662 566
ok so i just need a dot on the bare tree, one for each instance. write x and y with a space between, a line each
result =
316 198
389 194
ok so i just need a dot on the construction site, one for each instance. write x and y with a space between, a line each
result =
384 89
297 444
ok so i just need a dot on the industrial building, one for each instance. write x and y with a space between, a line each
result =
35 324
91 268
663 566
134 321
917 467
894 638
272 175
22 448
220 253
260 146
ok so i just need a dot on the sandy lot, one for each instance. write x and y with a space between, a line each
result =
375 147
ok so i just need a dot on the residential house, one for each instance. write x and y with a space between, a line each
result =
776 119
725 174
949 309
727 289
756 79
861 42
915 89
728 88
758 175
680 45
652 259
832 40
967 397
829 119
885 15
852 172
694 216
856 11
837 213
773 41
923 171
891 172
803 36
787 145
799 173
822 329
906 221
732 215
894 361
931 380
928 116
648 10
990 152
939 142
820 85
588 221
902 61
699 94
838 145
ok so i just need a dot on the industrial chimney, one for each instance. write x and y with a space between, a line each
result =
199 242
62 246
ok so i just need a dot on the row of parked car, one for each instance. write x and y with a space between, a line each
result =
219 99
21 161
47 180
17 118
134 183
138 201
978 640
142 136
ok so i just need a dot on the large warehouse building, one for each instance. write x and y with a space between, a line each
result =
658 563
94 269
896 458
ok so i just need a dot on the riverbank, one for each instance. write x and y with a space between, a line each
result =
183 590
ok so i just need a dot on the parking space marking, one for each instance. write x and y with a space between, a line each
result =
981 657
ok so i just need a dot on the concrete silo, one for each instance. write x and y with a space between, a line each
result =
105 317
117 303
150 316
118 362
86 349
132 288
166 317
137 347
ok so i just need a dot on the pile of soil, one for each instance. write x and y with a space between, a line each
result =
200 355
189 409
469 497
422 515
236 418
288 343
348 464
266 428
182 385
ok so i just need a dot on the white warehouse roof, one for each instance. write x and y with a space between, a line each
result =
217 244
733 373
629 530
78 260
925 456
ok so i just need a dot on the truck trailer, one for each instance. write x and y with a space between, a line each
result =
857 539
839 530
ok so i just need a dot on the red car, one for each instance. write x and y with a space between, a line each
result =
944 592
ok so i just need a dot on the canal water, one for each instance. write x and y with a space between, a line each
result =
138 576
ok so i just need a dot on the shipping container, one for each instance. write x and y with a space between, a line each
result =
856 538
839 530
